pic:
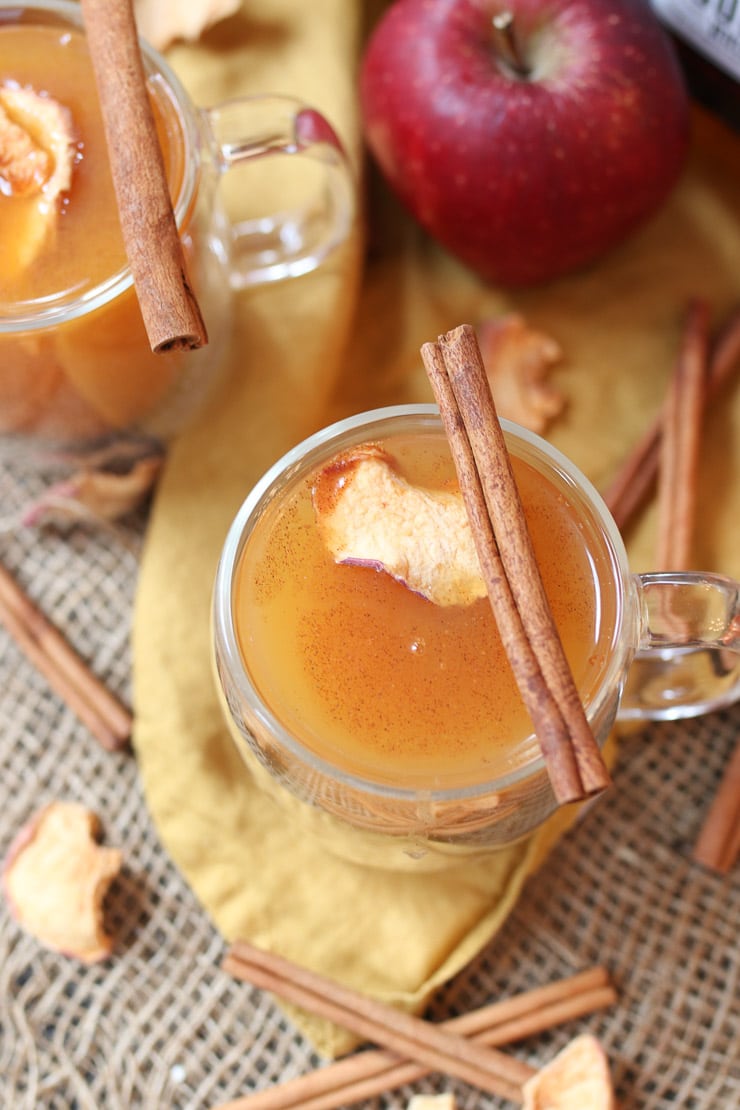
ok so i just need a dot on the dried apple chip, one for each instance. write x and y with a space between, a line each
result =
24 165
162 22
41 129
371 516
95 494
36 157
56 877
578 1077
518 360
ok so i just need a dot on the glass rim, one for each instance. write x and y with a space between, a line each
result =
298 459
155 65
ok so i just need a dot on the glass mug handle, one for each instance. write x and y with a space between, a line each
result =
289 243
688 652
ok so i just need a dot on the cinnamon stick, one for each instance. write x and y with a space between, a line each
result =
635 479
65 671
168 305
402 1033
670 450
678 469
367 1074
528 632
718 845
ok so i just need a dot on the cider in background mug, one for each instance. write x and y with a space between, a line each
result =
76 368
392 725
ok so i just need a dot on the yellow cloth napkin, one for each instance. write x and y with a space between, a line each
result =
345 339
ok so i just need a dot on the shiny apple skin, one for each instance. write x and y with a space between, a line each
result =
526 179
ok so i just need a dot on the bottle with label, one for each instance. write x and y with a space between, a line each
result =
707 36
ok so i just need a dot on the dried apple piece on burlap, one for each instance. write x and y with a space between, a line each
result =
56 877
518 359
578 1077
369 515
95 494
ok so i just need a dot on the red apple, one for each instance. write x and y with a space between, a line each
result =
530 149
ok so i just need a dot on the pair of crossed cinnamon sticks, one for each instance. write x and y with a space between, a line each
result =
715 363
464 1047
669 452
528 632
66 672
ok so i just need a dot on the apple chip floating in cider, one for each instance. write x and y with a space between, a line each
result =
56 877
371 516
36 155
576 1078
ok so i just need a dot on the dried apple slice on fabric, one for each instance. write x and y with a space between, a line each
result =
518 360
162 22
56 877
576 1078
36 158
369 515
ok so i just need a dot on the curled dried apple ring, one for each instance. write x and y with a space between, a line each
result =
56 877
369 515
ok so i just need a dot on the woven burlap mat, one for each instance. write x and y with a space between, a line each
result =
159 1025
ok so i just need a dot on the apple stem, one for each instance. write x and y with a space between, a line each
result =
508 45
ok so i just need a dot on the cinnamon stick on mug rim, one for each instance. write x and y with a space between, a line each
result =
530 637
169 308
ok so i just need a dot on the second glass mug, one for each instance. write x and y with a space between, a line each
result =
75 368
671 649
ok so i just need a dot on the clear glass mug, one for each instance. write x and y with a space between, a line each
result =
670 648
76 369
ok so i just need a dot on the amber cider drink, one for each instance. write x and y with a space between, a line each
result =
384 684
75 360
